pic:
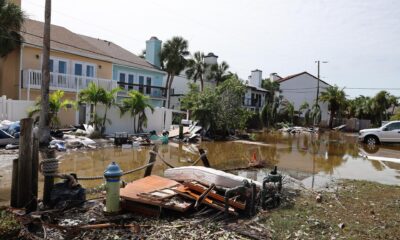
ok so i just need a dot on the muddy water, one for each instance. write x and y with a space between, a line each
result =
307 157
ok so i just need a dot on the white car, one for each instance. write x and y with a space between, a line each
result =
390 132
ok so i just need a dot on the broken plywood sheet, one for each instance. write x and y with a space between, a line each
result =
207 176
175 132
156 191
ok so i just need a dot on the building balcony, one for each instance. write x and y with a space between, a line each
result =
248 102
151 91
32 79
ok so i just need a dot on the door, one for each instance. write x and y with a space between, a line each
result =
391 133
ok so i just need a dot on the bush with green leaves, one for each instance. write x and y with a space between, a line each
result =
219 110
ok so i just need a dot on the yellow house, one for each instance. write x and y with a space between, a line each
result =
75 61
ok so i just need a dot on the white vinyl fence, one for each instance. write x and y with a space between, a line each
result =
160 119
14 110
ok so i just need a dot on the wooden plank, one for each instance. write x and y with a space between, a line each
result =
212 194
14 185
25 162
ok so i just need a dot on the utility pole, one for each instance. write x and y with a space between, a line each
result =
318 62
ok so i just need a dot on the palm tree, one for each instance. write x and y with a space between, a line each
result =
288 108
382 100
92 95
44 121
173 60
305 107
394 102
56 103
316 114
108 99
136 103
219 72
11 20
336 98
197 68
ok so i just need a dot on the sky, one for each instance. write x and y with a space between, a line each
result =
360 39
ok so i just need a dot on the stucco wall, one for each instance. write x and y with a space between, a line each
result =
9 74
302 89
67 117
157 78
32 59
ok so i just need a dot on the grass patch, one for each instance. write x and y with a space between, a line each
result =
358 210
9 227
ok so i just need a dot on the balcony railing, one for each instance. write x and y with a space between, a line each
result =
32 79
152 91
248 102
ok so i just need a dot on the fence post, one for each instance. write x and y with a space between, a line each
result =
25 163
48 180
14 184
35 172
204 158
152 159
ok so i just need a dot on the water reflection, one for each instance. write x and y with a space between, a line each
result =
303 156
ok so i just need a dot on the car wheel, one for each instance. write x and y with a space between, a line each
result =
371 140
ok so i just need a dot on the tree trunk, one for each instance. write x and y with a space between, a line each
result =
331 120
103 128
201 84
44 121
169 88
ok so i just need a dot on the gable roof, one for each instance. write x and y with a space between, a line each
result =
299 74
64 40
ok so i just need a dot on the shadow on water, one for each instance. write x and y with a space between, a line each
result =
302 156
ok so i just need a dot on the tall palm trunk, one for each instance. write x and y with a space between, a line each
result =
201 83
169 89
103 127
331 119
44 122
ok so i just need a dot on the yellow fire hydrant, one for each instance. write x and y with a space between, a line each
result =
112 175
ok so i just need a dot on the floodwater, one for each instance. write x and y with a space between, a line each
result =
310 158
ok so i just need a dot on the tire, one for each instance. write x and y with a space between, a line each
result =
371 140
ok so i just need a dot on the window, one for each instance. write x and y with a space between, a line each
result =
89 71
51 64
122 80
78 69
62 67
130 81
148 83
393 126
141 82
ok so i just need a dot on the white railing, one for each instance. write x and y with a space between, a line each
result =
66 82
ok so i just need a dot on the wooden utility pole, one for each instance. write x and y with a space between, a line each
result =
44 121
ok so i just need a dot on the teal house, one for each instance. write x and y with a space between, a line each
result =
143 75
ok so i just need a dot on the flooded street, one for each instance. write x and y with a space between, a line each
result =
313 159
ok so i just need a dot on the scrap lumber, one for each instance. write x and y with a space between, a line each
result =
156 191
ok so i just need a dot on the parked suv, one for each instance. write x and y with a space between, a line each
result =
390 132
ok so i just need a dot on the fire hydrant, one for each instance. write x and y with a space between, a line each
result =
112 175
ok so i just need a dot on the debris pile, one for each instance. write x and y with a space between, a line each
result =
297 130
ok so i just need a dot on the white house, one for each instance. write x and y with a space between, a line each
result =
302 87
254 98
180 85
